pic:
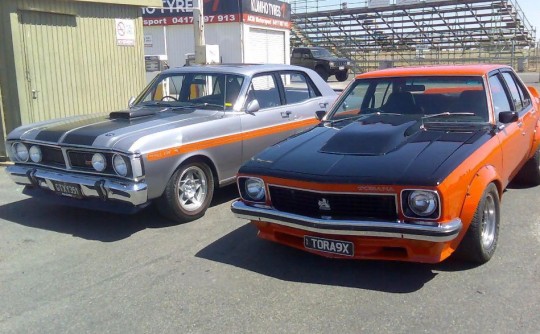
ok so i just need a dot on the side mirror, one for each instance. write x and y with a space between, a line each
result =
506 117
320 114
131 101
253 107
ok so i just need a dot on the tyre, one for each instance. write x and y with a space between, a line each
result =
188 193
530 172
322 73
481 238
342 76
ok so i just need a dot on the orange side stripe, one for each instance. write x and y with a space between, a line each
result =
229 139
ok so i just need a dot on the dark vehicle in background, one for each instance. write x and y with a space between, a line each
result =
321 61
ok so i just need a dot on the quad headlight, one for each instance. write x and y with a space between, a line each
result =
119 164
252 189
99 162
21 152
422 203
35 154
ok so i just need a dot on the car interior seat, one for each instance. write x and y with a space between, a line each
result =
473 101
401 103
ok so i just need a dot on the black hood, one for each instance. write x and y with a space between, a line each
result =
381 149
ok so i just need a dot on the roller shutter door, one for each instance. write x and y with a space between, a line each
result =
265 46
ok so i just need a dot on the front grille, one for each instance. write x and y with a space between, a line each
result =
81 159
341 63
52 156
339 206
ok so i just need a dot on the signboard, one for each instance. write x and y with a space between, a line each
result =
125 32
148 41
271 13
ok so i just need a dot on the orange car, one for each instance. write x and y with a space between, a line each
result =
410 164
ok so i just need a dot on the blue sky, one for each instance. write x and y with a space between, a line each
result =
531 8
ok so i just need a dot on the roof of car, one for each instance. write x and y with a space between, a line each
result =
243 69
438 70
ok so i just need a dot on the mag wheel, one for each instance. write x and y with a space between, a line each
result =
188 193
480 242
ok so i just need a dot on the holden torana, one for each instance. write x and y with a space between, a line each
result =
410 164
185 134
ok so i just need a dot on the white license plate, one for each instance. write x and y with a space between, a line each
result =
67 189
341 68
329 245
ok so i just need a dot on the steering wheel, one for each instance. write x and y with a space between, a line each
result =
169 97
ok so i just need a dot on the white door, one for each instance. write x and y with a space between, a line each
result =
265 46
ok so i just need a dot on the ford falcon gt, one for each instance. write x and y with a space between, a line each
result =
184 135
410 164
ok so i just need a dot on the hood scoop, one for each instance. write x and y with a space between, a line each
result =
374 136
132 113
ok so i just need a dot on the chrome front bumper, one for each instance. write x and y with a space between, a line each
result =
129 192
437 233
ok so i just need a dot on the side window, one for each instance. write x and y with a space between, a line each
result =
297 54
297 87
500 100
516 98
263 88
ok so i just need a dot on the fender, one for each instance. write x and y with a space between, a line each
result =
475 190
536 138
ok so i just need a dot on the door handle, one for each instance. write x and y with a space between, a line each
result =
286 114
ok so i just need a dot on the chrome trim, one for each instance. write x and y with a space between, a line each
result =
442 232
135 193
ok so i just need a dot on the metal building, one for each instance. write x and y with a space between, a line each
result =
60 58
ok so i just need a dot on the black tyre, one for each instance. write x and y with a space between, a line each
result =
342 76
188 193
480 242
322 73
530 173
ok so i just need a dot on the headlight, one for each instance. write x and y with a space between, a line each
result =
98 162
332 64
423 203
35 153
255 189
21 152
119 165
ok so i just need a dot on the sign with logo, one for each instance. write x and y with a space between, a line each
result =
125 32
272 13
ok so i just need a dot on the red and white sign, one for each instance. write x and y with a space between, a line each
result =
125 32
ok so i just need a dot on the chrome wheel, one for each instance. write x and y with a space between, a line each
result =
489 222
192 188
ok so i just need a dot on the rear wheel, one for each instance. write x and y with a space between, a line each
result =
188 193
322 73
480 242
342 76
530 173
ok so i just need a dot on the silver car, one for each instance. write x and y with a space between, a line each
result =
184 135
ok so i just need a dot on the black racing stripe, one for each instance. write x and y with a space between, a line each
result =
54 133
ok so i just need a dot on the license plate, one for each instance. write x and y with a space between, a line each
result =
329 245
67 189
341 68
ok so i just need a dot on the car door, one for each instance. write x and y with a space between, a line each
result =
301 100
266 125
514 143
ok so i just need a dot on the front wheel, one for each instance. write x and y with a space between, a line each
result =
188 193
480 242
342 76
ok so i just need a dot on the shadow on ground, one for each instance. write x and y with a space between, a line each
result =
241 248
92 225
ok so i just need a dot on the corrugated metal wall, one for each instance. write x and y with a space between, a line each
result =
70 59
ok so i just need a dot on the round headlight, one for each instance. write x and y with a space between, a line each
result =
331 64
21 152
35 154
255 189
423 203
98 162
119 165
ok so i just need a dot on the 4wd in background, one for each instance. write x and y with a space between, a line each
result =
321 61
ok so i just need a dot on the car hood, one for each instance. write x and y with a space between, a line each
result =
378 150
333 59
105 130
